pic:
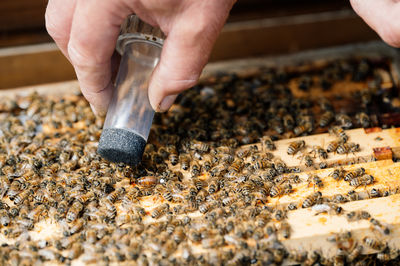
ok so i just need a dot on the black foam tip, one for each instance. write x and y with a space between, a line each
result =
121 146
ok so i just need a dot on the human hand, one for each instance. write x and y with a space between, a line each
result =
382 16
86 32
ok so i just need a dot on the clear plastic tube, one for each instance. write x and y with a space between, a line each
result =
130 115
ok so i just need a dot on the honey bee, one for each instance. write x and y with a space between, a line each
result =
373 243
353 174
344 121
285 230
213 186
147 181
4 218
199 146
379 227
339 132
89 196
326 118
312 199
263 164
315 180
160 211
75 251
198 184
298 256
173 154
196 169
205 207
74 211
332 146
337 174
307 127
362 180
237 165
308 160
288 122
345 148
295 146
185 162
321 152
280 166
75 228
279 190
21 197
269 143
355 253
363 119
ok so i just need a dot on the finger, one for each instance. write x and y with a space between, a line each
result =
381 16
186 50
94 32
59 20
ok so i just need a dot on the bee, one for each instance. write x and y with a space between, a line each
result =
205 207
147 181
21 197
285 230
288 122
263 164
362 180
173 155
185 162
353 174
379 227
337 174
198 184
74 211
196 169
279 166
75 228
315 180
312 199
269 143
37 213
387 255
303 128
179 235
308 160
326 118
363 119
327 208
344 121
75 251
279 190
345 148
4 218
332 146
199 146
355 253
276 125
89 196
297 256
295 146
321 152
237 165
339 132
110 210
213 186
373 243
160 211
207 165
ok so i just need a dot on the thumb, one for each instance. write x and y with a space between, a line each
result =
185 52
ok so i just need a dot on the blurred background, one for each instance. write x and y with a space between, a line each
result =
255 28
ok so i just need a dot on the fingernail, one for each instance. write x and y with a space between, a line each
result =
166 103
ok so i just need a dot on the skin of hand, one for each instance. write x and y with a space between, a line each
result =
86 32
382 16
